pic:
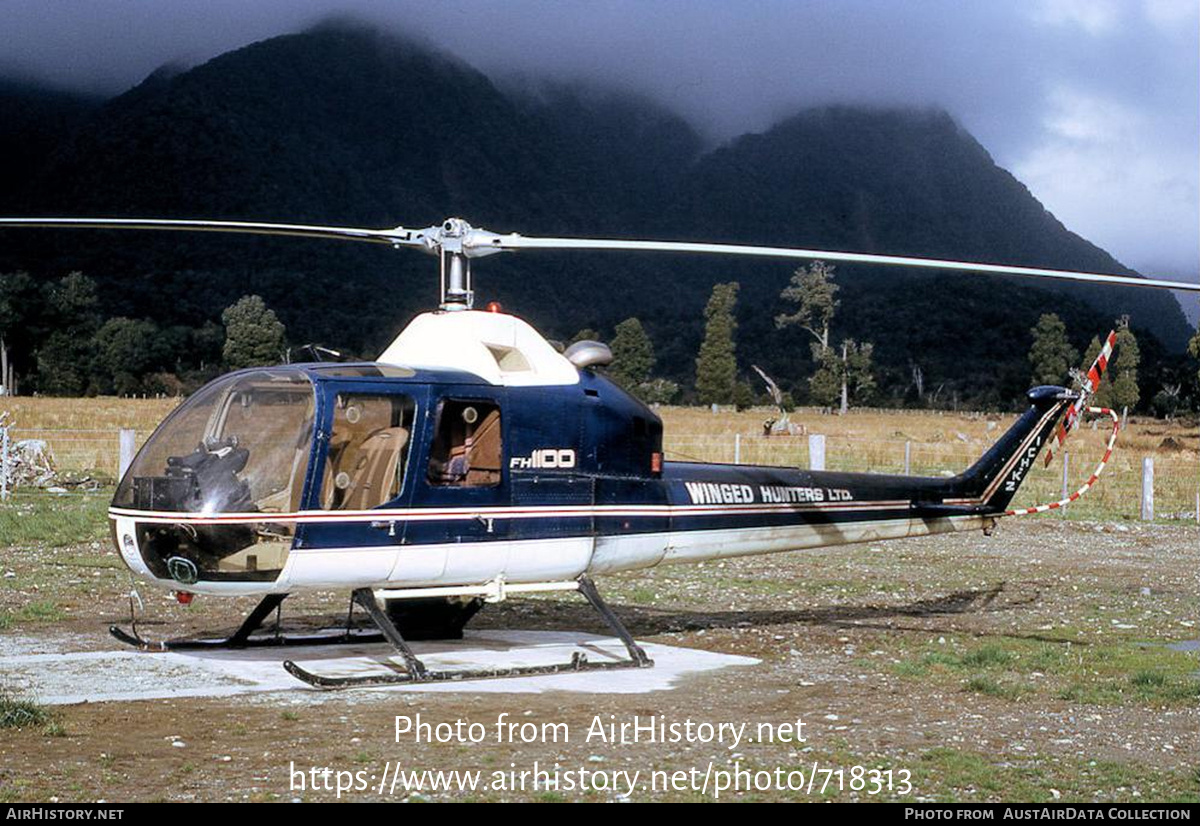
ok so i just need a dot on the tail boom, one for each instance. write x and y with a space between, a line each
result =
720 510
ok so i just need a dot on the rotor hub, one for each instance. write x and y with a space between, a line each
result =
456 242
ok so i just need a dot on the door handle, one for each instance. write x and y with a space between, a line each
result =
390 525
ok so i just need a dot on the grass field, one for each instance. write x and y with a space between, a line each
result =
82 433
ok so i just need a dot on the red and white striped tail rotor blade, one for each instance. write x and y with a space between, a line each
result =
1096 371
1091 383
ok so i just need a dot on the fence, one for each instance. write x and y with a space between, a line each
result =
1175 480
94 458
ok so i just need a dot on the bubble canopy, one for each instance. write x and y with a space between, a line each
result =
238 445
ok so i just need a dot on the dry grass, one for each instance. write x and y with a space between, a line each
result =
82 433
102 413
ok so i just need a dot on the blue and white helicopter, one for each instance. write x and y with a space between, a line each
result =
473 461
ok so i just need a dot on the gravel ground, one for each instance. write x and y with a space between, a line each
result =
1031 665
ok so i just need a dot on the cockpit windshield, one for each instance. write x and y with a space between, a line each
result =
240 444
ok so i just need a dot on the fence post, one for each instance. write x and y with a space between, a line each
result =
908 458
737 448
127 441
1148 489
816 451
3 462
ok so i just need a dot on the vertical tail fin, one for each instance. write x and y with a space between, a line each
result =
995 478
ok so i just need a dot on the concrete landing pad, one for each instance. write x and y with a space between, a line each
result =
107 676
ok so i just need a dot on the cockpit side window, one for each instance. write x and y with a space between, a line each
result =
467 448
240 444
368 451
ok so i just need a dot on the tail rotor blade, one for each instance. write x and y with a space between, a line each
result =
1091 383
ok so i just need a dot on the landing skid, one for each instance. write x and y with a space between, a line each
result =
415 671
242 638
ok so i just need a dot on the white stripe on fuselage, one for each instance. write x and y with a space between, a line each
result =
499 512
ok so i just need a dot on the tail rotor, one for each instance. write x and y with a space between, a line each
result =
1089 383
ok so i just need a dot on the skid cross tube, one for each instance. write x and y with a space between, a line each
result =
242 637
415 670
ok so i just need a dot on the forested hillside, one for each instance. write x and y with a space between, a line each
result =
349 126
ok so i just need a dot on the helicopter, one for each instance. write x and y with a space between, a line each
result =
472 461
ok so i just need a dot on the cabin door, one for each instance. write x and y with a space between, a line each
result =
363 464
462 494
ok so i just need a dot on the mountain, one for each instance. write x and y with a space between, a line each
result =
912 182
345 125
34 119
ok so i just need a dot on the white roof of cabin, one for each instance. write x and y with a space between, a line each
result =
499 348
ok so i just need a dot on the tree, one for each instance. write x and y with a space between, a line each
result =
857 371
65 364
1125 393
1166 401
657 391
586 334
1118 388
716 365
126 350
842 374
1051 355
20 308
253 335
1194 348
838 375
74 301
633 355
743 396
66 359
814 290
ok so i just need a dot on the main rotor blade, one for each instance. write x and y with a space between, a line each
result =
399 236
455 235
520 242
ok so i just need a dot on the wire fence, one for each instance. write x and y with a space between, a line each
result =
87 459
60 461
78 451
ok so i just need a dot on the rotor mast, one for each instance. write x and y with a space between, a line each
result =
455 243
457 293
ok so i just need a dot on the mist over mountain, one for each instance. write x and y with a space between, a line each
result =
348 126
